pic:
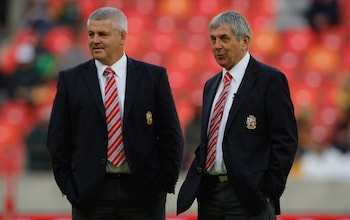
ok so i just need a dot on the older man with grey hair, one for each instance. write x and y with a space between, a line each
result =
248 135
114 136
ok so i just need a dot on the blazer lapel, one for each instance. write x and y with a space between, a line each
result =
243 90
208 102
92 81
132 80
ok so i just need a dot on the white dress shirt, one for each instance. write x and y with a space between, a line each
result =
119 68
237 73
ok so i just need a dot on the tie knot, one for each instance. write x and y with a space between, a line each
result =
227 77
108 71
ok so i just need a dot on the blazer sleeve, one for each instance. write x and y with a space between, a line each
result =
170 135
58 142
282 132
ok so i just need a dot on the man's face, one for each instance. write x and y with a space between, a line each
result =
105 43
226 49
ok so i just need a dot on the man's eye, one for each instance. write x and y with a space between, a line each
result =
224 39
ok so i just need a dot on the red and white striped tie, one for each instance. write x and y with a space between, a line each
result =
215 123
115 150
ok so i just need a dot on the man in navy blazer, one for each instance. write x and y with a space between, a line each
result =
78 136
257 135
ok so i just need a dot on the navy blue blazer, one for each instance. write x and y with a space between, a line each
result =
77 134
260 139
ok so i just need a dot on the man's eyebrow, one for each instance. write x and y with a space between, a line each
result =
99 32
219 36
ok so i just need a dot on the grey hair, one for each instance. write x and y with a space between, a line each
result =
238 24
119 20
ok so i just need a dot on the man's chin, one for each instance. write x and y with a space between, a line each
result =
98 57
220 62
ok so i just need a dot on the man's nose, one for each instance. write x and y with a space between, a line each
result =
218 44
95 39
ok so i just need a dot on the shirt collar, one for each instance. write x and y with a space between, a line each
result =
237 72
118 67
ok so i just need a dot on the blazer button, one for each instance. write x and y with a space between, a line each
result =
199 170
103 161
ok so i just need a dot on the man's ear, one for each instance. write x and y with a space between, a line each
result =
245 42
123 35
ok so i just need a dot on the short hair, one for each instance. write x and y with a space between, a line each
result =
237 22
119 20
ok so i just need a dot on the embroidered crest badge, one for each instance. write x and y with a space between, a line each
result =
251 122
149 118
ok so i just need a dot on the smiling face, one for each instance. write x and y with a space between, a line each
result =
105 42
227 50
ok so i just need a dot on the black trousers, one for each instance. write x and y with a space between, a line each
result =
218 201
116 203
